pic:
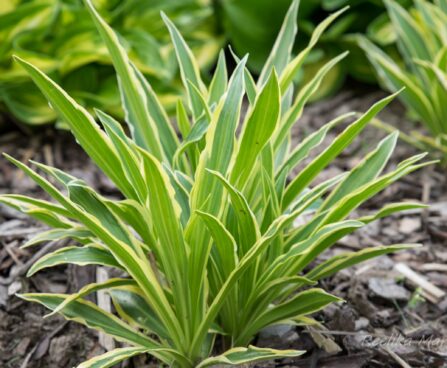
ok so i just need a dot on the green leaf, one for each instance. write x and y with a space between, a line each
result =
245 263
24 203
219 82
206 194
225 243
300 254
181 195
366 191
113 357
46 186
166 215
348 259
442 4
313 140
44 211
301 99
81 256
189 69
240 356
133 308
306 302
250 84
336 147
391 208
371 166
182 119
277 286
156 110
280 54
92 139
257 130
220 139
89 314
142 126
77 233
130 161
394 79
137 216
195 135
91 288
92 203
408 30
129 255
292 69
248 227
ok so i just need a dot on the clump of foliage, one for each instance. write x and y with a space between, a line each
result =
252 32
59 37
420 34
205 234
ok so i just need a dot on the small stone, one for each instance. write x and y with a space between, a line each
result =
357 342
292 337
388 289
14 288
384 263
361 324
275 331
3 295
372 229
409 225
442 305
386 317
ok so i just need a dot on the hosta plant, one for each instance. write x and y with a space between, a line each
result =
59 37
204 235
421 37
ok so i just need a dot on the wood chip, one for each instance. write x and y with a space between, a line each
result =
437 267
20 233
397 358
436 293
10 251
105 303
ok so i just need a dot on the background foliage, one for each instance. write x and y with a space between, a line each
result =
59 37
421 64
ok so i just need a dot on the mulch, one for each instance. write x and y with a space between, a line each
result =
387 321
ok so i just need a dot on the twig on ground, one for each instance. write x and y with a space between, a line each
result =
11 253
437 267
426 191
16 233
432 292
397 358
104 303
21 270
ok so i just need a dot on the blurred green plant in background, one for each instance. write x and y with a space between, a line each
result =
251 25
60 38
421 65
